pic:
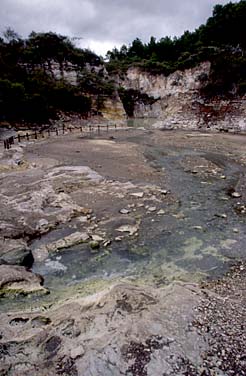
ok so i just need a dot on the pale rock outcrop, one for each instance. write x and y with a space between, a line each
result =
15 252
113 110
16 280
160 86
178 103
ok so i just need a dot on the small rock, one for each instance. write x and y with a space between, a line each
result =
77 352
140 205
152 209
118 238
197 227
235 230
223 177
179 215
124 211
137 194
16 280
161 212
224 198
42 224
94 245
106 243
15 252
236 195
221 215
85 211
97 238
164 192
83 219
128 228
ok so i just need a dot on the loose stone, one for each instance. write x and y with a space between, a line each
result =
236 195
137 194
124 211
152 209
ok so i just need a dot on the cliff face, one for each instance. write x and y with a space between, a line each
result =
113 110
178 103
175 99
160 86
70 72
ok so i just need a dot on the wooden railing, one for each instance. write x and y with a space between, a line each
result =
88 129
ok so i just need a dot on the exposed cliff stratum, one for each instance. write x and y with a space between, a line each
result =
178 103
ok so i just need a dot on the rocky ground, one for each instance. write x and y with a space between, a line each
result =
92 197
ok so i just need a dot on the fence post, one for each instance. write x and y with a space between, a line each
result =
7 143
19 138
57 131
63 128
98 129
81 129
35 135
27 136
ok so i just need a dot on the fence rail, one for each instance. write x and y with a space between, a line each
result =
88 129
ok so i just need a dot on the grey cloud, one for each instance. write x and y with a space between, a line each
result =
111 21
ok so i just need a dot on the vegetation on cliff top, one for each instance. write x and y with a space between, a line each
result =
221 40
31 92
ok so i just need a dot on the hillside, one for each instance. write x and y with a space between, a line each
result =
46 74
221 41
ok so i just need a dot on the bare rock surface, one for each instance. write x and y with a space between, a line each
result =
179 218
15 252
37 202
123 329
16 280
176 330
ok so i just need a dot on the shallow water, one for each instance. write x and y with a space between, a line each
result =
140 122
195 239
172 248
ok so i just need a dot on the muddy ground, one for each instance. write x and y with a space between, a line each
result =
117 254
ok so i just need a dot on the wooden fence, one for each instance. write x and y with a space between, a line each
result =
88 129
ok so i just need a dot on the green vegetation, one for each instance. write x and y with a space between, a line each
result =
221 40
32 91
29 92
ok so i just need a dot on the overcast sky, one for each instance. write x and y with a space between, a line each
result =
104 24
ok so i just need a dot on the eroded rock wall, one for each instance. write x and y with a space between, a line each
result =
178 102
113 109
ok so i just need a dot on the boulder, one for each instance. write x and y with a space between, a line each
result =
17 280
15 252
